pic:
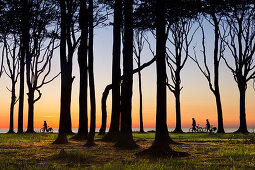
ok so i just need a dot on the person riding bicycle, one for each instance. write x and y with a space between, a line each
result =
208 126
45 126
194 124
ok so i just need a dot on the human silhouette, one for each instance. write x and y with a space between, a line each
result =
208 126
194 124
45 126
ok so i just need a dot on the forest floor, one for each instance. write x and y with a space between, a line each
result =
207 151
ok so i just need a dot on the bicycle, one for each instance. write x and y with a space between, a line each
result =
211 130
48 130
197 129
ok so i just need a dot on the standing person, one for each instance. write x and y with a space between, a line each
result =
194 124
45 126
208 126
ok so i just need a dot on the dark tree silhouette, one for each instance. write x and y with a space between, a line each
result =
217 55
113 133
67 29
12 53
82 61
104 111
39 55
126 137
214 11
90 141
138 48
25 7
180 17
240 27
160 145
176 59
98 15
109 87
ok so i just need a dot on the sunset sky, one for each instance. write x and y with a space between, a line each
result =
196 99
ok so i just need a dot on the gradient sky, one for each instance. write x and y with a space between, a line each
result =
196 98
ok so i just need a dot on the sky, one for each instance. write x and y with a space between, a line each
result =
196 98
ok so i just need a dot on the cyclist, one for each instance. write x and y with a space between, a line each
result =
208 126
194 124
45 126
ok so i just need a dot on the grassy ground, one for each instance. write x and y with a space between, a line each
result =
207 151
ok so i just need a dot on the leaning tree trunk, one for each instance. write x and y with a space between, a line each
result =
243 124
30 122
90 141
113 133
82 60
104 111
13 100
126 137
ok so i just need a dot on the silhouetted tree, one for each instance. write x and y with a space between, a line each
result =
180 16
25 7
67 26
176 59
160 145
240 27
12 52
90 141
39 55
82 60
109 87
113 133
103 109
98 15
138 48
214 11
126 137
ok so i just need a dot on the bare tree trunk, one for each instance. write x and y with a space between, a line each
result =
24 46
219 111
65 84
82 60
21 93
104 111
13 100
243 124
113 133
30 122
160 145
126 137
178 128
90 141
140 98
216 75
177 91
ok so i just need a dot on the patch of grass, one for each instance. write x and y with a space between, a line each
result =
207 151
74 156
